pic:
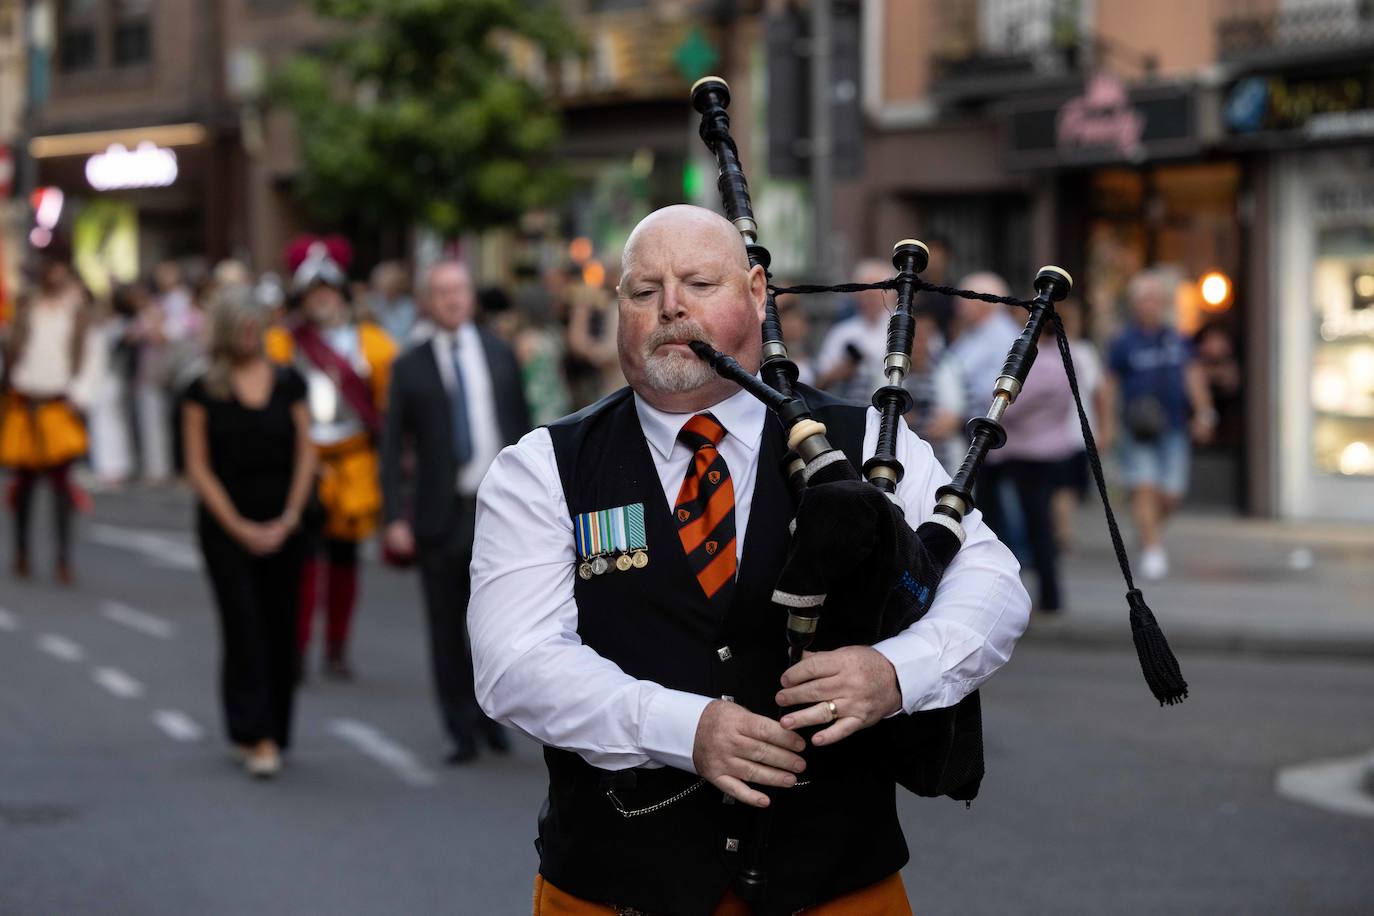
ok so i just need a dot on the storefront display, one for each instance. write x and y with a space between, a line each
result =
1343 352
1324 332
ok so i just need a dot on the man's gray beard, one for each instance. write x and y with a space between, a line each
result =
675 373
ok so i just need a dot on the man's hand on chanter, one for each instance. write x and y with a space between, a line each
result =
853 687
734 747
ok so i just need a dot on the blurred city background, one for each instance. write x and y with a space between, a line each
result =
1222 150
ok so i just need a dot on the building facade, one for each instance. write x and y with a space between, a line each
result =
1229 139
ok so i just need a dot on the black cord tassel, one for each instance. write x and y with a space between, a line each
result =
1156 658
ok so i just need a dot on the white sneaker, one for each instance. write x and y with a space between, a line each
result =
263 764
1154 563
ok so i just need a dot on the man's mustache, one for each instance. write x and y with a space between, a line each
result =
680 333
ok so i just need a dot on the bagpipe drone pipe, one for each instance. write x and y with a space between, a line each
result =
852 551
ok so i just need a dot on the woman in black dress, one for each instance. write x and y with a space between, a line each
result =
251 462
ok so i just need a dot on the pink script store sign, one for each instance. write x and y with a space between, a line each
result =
1102 116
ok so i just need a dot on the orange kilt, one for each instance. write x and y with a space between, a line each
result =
885 898
350 489
39 434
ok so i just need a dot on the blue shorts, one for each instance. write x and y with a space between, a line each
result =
1162 464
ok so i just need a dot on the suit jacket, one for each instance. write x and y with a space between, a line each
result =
420 412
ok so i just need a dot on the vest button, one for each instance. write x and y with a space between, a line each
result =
731 844
724 653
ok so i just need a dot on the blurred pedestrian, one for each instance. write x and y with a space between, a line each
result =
389 299
1215 350
1038 441
54 362
936 393
592 343
850 361
110 417
346 365
977 356
796 330
940 306
251 463
986 334
1156 381
528 326
1071 477
457 400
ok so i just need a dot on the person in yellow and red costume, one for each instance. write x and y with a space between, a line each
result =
53 363
347 366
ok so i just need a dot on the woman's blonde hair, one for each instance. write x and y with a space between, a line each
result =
232 308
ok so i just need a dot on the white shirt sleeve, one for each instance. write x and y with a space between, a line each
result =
532 670
980 609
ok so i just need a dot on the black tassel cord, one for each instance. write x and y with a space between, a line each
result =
1157 660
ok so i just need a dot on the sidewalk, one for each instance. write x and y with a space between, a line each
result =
1235 585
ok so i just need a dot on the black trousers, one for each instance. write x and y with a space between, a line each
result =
257 600
447 585
1034 482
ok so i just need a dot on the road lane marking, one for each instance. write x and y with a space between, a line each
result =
61 647
117 683
134 619
8 621
372 743
156 547
1336 785
177 725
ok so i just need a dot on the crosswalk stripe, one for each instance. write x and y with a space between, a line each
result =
177 725
142 621
61 647
117 683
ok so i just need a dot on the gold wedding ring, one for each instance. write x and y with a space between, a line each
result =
833 714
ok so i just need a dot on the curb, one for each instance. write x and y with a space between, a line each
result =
1356 645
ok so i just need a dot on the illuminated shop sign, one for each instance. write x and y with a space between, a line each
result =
119 168
1321 107
1106 124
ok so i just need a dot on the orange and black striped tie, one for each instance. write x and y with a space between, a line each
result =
705 509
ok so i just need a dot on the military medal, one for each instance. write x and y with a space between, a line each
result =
610 539
635 541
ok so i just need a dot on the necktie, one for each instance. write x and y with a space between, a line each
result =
462 432
705 509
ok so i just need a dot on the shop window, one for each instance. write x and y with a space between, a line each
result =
78 47
1343 355
133 32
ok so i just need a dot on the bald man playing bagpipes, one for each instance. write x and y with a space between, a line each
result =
621 616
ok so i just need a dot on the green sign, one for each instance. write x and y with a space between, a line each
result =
695 56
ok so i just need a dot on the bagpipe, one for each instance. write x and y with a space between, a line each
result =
852 551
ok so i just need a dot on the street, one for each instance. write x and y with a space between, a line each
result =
118 794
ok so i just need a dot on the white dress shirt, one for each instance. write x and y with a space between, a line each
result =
480 401
44 369
870 339
534 673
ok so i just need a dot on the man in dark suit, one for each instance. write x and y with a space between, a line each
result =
457 400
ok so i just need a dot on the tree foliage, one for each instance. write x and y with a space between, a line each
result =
414 113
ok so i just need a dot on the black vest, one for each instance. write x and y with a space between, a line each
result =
837 833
